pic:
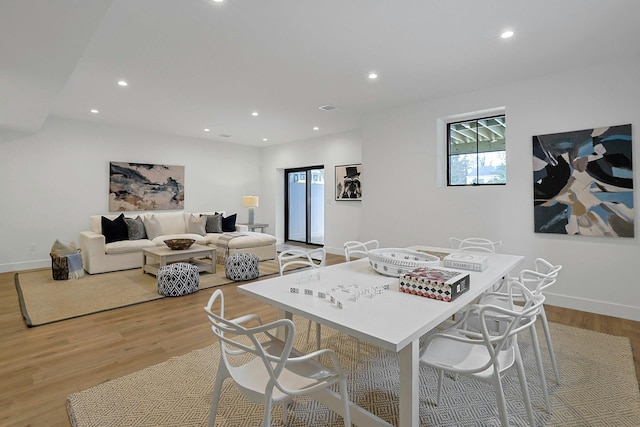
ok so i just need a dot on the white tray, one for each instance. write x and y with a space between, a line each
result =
398 261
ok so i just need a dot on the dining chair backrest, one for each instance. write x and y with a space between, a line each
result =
511 321
239 345
301 257
544 275
268 370
475 244
353 247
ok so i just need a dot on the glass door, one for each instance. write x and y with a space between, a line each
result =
304 205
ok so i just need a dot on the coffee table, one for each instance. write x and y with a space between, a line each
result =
203 257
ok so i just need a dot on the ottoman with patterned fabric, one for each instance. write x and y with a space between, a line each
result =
178 279
241 266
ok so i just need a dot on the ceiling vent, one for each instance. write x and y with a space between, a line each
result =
224 135
327 107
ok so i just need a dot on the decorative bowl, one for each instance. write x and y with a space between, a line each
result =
179 244
398 261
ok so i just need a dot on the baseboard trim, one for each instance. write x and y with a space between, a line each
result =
594 306
26 265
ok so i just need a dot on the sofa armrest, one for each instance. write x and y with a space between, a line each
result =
241 227
92 243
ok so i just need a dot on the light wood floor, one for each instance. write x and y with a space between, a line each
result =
41 366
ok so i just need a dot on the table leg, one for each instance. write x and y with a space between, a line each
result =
409 398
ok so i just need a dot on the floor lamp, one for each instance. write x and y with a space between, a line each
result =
250 202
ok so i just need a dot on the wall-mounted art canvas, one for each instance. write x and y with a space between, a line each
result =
349 182
145 187
583 182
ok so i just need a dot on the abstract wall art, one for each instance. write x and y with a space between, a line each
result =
349 182
583 182
143 187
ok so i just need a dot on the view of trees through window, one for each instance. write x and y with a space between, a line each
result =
476 152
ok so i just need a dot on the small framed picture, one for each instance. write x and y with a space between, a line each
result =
349 182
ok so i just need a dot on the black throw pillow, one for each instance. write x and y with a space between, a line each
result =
115 230
229 223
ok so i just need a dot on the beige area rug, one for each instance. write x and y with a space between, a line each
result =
44 300
599 388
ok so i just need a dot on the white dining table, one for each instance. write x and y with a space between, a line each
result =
388 318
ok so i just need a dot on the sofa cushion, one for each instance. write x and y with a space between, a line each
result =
172 222
214 223
247 239
126 246
197 225
135 228
115 230
229 223
152 227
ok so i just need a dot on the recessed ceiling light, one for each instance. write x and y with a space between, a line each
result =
373 76
265 139
218 1
507 34
207 130
316 128
122 83
327 107
254 114
94 111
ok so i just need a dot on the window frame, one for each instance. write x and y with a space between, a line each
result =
449 155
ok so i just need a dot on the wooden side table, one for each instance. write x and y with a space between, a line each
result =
254 227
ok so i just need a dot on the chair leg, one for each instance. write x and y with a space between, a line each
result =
215 397
500 400
538 356
308 330
523 386
440 378
318 336
345 401
552 354
268 405
359 355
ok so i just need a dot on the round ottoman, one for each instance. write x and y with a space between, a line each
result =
242 266
177 279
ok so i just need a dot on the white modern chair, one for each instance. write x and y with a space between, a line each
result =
301 257
537 281
267 370
351 248
487 354
475 244
362 249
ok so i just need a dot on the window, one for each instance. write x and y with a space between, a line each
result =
476 152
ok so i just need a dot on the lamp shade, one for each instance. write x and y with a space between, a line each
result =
250 201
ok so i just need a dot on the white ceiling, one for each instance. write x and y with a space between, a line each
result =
195 64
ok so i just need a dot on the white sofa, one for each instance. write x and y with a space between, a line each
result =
101 257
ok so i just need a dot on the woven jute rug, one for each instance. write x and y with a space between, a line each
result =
44 300
598 388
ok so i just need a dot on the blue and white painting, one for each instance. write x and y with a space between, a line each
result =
583 182
145 187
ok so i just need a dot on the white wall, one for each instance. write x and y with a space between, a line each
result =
407 203
342 218
55 179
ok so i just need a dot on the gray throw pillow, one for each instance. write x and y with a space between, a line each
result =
152 227
214 223
197 225
135 228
